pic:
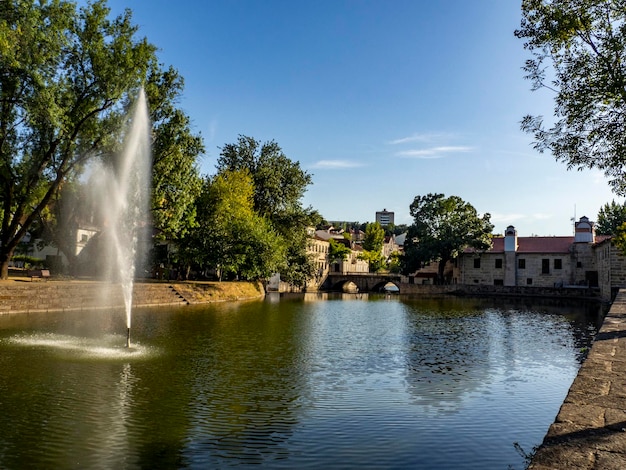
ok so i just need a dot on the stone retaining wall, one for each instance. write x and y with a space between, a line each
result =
38 296
589 432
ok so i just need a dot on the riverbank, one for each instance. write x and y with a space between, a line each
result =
589 432
24 295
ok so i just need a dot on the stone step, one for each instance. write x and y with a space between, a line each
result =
50 295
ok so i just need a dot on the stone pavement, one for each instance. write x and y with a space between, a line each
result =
589 431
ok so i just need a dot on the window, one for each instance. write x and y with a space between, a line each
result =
521 263
477 263
579 264
498 282
529 281
499 263
558 263
545 266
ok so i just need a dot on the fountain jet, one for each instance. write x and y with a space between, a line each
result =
122 192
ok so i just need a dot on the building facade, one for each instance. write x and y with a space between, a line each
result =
583 260
385 217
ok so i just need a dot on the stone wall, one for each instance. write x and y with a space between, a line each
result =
589 430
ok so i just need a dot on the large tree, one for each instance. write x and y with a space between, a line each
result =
443 227
230 236
279 185
66 78
578 49
176 181
610 218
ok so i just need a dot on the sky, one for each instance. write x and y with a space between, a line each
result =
380 101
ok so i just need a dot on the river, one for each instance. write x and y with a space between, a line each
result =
303 381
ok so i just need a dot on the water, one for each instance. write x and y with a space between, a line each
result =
296 382
121 194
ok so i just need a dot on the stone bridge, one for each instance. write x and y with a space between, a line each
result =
373 282
366 282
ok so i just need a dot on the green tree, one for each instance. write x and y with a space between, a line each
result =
67 77
610 218
375 260
443 227
279 185
337 251
373 246
176 182
374 237
578 49
230 236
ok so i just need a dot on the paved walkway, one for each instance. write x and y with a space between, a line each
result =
590 429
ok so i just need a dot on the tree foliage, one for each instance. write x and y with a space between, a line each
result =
578 49
230 236
175 148
337 251
374 237
278 187
67 78
610 218
443 227
373 246
279 183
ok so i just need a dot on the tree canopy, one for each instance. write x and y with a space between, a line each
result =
443 227
578 49
278 187
67 78
373 246
337 251
610 218
230 236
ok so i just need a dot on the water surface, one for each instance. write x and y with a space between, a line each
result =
293 382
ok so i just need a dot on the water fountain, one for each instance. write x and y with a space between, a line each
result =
122 193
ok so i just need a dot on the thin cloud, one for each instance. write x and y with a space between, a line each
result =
335 164
418 138
513 217
506 218
433 152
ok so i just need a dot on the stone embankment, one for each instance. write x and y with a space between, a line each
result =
590 429
41 295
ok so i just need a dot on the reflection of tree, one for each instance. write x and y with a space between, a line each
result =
455 346
244 385
446 353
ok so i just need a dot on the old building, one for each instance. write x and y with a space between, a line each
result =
583 260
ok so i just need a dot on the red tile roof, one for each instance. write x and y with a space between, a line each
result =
538 244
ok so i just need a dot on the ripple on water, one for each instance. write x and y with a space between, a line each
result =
108 347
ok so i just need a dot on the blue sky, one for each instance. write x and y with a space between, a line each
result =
380 101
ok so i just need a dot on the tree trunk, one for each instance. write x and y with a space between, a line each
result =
440 270
5 257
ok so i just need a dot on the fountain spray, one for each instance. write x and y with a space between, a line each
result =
124 192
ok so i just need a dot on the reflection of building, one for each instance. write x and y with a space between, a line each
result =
385 217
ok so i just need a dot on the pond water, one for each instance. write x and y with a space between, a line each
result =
289 382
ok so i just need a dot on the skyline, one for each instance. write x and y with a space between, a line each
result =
379 101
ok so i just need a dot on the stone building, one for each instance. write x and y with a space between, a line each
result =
579 261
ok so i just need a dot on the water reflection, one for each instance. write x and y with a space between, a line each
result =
298 381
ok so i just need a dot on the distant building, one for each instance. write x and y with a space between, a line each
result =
385 217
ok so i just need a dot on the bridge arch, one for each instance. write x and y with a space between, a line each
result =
386 286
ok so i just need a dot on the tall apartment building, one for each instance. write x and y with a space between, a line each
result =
384 217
